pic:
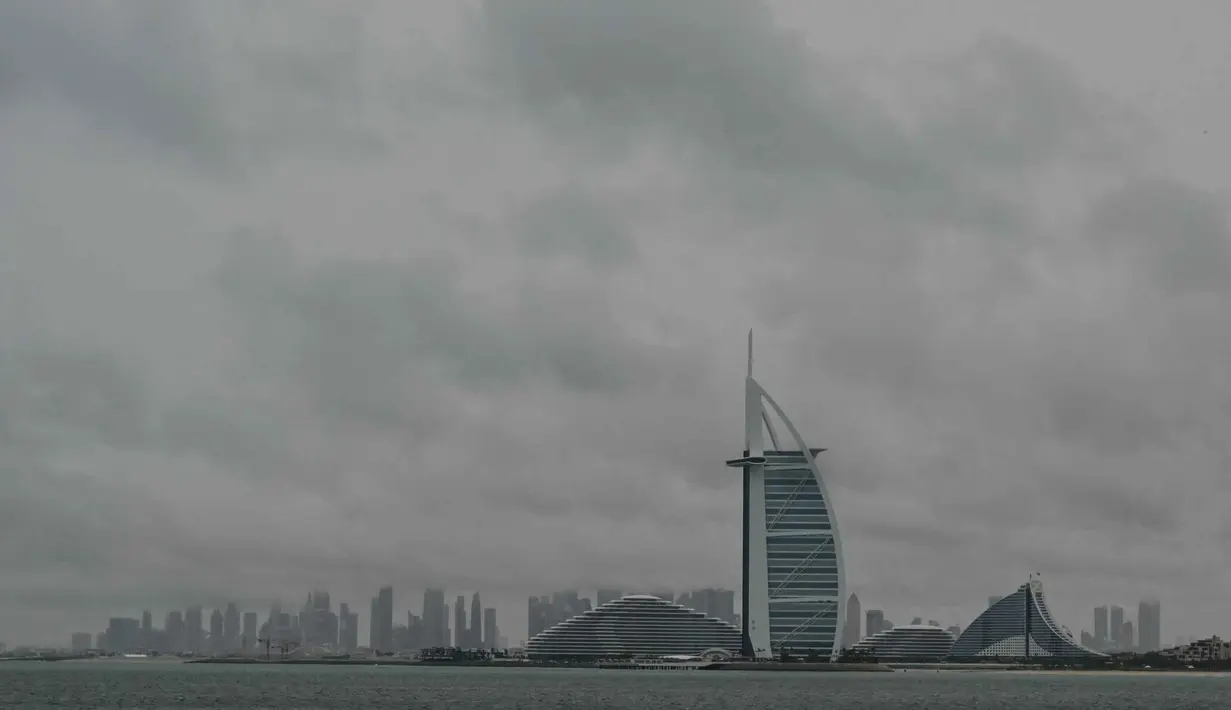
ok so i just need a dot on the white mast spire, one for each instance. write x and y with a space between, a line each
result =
750 352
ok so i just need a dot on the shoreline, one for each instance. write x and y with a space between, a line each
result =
717 666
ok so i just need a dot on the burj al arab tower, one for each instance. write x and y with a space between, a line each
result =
794 587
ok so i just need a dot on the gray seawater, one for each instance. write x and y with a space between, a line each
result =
106 684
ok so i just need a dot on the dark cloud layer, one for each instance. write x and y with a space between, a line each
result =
333 307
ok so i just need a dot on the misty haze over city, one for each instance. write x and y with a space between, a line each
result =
310 294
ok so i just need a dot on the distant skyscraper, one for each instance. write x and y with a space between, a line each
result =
1126 636
490 633
348 628
608 595
459 622
850 633
666 595
875 622
435 619
537 609
216 625
381 626
373 627
123 635
1101 636
248 635
81 642
1117 624
147 631
194 631
230 628
474 635
1149 626
174 628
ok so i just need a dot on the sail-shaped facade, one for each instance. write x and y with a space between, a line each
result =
794 582
1019 626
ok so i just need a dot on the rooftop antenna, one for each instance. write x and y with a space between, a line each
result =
750 352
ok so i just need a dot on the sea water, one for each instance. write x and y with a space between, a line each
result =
168 684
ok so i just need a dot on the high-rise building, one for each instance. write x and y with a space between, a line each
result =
1126 636
875 622
217 643
248 634
373 628
318 623
194 631
348 629
537 609
666 595
230 628
459 622
1101 636
416 632
723 605
474 635
1116 624
435 619
174 629
608 595
1149 626
794 593
851 635
490 633
718 603
147 630
123 635
381 626
81 642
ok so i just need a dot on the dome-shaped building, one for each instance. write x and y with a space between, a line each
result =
912 643
634 626
1018 626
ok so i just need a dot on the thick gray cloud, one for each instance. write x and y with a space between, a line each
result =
320 297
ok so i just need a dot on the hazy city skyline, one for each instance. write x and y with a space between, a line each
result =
724 606
368 293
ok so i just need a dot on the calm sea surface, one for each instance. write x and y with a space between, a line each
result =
106 684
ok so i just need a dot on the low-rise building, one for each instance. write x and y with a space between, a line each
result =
1211 649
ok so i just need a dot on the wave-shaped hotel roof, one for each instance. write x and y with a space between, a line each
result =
637 625
913 642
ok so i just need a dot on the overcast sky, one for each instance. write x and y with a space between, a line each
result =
303 293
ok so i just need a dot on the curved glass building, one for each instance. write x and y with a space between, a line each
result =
634 626
1020 626
913 643
794 587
